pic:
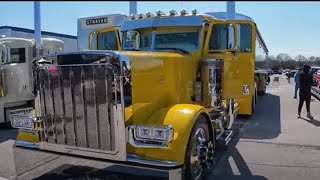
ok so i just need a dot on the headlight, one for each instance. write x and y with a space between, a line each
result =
157 133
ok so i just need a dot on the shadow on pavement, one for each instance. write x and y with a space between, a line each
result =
68 171
313 121
6 134
265 122
224 170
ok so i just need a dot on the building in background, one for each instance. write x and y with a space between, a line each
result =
70 42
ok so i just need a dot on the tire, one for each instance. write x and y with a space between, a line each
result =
200 125
253 107
255 98
227 121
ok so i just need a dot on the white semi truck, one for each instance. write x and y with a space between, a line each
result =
16 55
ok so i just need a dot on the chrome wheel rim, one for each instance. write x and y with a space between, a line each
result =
196 170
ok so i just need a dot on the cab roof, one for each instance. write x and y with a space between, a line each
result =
187 20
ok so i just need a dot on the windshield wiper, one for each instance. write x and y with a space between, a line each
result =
175 49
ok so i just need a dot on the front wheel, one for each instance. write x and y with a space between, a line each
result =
192 168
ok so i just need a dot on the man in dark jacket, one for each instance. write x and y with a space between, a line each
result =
305 90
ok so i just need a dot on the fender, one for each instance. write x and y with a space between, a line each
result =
182 118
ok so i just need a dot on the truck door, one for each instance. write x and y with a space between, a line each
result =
232 42
105 39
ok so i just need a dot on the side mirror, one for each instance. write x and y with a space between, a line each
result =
3 54
131 40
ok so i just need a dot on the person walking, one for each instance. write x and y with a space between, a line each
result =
297 83
288 77
305 90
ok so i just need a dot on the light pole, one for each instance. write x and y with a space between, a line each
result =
37 27
132 7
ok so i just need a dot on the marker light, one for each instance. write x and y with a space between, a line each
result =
140 16
160 13
149 14
183 12
132 16
173 13
194 12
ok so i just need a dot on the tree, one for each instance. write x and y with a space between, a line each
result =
312 58
301 58
283 57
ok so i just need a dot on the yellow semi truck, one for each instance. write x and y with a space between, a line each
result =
108 37
164 100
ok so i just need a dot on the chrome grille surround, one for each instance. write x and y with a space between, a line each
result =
81 106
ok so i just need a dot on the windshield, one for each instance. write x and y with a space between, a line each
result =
107 41
187 40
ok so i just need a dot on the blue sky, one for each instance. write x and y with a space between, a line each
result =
287 27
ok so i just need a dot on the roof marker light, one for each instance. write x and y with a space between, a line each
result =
173 13
149 14
132 17
140 16
160 13
194 12
183 12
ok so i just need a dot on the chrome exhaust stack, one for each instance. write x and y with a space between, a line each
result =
212 78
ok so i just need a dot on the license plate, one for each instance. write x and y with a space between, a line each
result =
22 119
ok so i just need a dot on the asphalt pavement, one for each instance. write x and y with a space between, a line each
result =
275 144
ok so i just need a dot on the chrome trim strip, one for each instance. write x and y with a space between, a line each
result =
26 144
130 157
136 159
27 130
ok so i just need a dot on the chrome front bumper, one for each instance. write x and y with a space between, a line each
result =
130 157
30 162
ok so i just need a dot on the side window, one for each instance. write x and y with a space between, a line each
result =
17 55
222 37
145 41
260 53
107 41
245 37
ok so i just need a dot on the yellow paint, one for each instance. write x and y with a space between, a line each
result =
181 117
28 136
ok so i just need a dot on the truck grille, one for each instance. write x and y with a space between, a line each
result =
77 106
